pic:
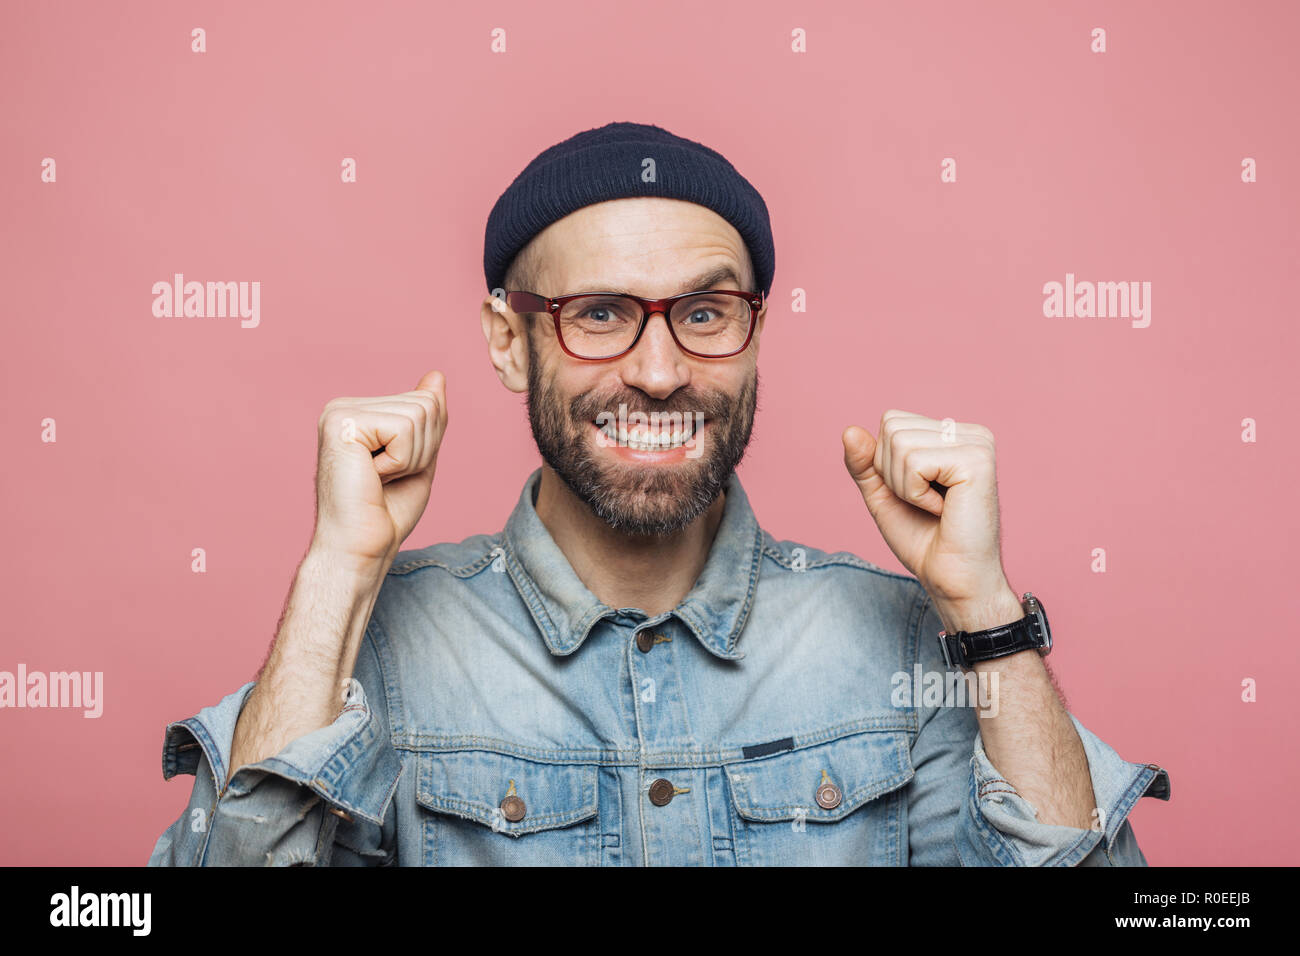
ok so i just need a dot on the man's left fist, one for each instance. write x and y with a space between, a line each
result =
950 542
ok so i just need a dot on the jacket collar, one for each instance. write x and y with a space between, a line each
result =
565 611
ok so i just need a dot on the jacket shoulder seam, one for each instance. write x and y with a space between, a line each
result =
835 559
468 570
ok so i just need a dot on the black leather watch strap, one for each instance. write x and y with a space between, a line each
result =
969 647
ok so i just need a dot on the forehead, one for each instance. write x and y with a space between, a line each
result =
645 245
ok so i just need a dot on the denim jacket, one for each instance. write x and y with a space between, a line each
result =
500 714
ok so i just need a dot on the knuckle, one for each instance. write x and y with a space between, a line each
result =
417 403
335 409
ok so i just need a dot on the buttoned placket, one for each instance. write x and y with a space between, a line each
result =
668 784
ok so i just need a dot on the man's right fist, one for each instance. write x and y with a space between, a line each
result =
375 463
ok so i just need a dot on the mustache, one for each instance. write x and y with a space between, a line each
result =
685 402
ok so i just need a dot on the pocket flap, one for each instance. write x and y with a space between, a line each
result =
860 767
475 784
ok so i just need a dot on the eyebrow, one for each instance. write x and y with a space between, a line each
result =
705 281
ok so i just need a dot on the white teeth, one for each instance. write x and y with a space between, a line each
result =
659 433
647 439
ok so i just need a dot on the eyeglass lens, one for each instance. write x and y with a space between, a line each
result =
600 326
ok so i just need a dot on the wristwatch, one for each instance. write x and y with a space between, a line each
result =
965 648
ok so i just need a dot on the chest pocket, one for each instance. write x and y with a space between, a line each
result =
485 808
837 803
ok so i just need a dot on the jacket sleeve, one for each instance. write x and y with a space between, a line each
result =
963 812
325 799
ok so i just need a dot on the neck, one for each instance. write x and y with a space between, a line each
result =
651 573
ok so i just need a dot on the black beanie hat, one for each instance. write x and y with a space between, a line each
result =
606 163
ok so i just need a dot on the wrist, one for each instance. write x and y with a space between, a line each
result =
995 610
344 568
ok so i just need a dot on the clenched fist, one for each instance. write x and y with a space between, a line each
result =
950 540
375 462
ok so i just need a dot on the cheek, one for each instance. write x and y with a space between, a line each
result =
565 385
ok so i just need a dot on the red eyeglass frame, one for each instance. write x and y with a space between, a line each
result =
532 302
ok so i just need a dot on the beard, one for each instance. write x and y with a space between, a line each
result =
640 500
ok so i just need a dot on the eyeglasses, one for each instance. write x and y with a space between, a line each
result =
604 325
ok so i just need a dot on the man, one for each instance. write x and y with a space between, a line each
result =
632 671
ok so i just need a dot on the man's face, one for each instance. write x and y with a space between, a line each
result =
653 248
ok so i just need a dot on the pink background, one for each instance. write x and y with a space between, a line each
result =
182 433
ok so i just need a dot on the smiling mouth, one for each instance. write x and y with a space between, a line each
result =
662 437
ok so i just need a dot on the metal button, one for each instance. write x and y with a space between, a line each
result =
341 814
644 641
828 796
661 792
513 809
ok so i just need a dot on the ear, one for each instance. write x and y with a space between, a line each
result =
504 330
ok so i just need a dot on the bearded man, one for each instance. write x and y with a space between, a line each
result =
633 672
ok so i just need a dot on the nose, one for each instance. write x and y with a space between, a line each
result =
656 366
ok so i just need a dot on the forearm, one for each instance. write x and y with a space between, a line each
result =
1028 735
301 686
